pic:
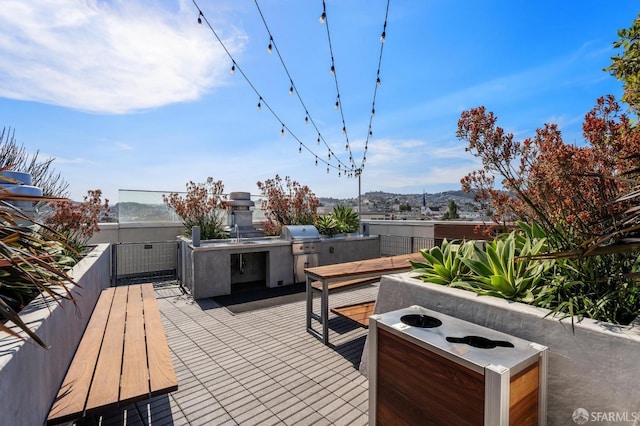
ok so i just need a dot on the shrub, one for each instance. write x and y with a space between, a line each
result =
77 221
287 203
203 206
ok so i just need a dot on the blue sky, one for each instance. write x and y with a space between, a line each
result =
136 95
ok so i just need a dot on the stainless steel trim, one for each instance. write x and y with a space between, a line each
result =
542 382
496 398
373 368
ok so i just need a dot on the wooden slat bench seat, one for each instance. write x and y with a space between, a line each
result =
123 356
344 275
358 313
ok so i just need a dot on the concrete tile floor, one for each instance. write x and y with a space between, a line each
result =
255 368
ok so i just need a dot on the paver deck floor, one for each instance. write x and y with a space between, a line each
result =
255 368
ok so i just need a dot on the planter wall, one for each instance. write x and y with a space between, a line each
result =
30 375
596 367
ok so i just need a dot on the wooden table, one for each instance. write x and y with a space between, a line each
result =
354 272
123 356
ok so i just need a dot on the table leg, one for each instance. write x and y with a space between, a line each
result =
325 312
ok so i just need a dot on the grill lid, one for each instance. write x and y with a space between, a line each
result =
299 232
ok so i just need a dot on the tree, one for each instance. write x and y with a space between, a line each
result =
287 203
567 189
626 66
203 206
452 212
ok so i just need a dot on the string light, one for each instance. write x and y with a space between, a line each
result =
347 170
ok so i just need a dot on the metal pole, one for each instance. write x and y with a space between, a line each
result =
360 202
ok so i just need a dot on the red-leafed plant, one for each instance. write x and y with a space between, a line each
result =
203 205
287 203
77 221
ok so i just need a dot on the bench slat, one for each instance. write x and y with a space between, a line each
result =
72 395
105 388
135 378
357 312
161 373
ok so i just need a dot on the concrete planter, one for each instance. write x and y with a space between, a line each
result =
594 366
30 375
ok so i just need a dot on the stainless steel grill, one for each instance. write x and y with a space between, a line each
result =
304 247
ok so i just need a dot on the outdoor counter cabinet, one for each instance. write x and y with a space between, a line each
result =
427 365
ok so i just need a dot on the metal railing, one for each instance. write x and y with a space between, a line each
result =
130 261
392 245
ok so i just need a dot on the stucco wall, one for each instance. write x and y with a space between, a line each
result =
30 376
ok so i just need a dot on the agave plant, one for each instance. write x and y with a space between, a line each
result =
32 261
507 268
327 225
347 218
444 264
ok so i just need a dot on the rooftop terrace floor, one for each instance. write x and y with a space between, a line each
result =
258 367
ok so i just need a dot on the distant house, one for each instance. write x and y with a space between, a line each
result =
430 211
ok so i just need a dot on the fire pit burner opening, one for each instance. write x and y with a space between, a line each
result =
422 321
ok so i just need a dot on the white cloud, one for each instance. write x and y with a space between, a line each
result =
108 57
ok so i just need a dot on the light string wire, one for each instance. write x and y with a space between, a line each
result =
235 67
308 115
383 37
261 100
325 20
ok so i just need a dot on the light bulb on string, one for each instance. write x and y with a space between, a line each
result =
383 37
327 169
378 82
339 173
282 130
344 130
300 149
346 147
200 18
337 106
373 112
316 160
270 47
306 119
318 139
370 132
233 69
332 70
323 17
291 90
259 106
329 155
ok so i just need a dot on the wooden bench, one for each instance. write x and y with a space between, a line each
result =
345 275
358 313
123 356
